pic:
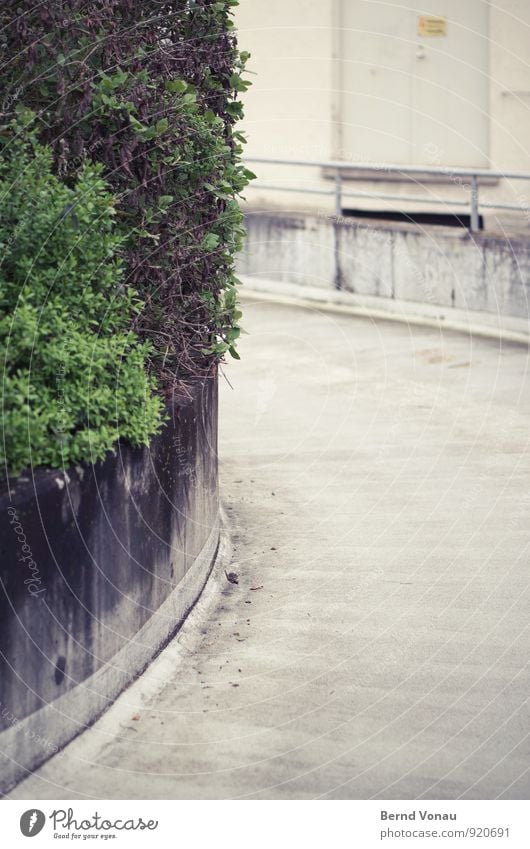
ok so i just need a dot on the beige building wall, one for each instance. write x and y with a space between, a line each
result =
289 108
510 85
296 107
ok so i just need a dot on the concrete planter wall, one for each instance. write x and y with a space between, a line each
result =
99 567
444 275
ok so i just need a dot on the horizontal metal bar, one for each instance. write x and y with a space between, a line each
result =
412 198
376 196
399 198
512 206
291 189
392 168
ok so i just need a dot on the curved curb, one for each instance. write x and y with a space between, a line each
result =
101 565
28 744
159 670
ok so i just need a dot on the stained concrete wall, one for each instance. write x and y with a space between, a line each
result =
99 567
438 273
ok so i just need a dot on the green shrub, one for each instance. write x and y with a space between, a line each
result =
151 90
74 376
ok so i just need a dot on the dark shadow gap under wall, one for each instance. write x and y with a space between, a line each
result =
441 219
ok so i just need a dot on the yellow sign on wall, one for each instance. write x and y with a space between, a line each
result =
429 25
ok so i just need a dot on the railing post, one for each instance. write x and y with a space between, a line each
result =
336 228
475 221
338 193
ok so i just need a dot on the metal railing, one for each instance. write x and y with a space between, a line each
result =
364 170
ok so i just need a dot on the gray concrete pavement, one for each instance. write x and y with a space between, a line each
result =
377 483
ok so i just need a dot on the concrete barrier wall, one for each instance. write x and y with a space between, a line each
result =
439 274
99 567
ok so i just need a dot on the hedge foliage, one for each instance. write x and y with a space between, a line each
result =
150 89
74 377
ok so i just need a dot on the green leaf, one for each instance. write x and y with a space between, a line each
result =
161 126
210 242
238 83
176 86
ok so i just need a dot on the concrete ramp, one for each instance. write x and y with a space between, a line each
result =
376 479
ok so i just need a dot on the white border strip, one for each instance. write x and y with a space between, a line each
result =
489 325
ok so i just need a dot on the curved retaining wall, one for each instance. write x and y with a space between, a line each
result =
442 276
99 568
